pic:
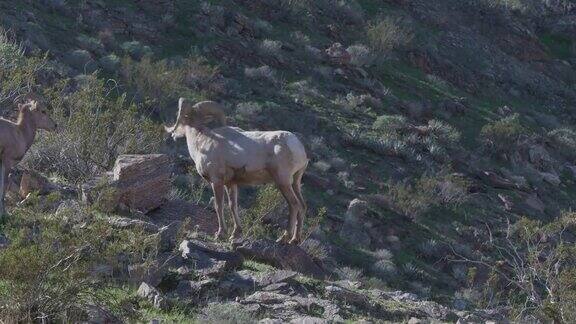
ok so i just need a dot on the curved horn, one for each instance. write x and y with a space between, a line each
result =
207 109
183 110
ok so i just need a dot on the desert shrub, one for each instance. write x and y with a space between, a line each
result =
431 249
534 274
249 111
300 38
81 60
268 202
57 282
156 84
17 71
348 273
389 123
110 63
225 313
355 102
95 129
502 135
385 269
383 254
271 48
393 135
263 73
388 34
89 43
135 49
412 271
360 55
315 249
414 198
564 139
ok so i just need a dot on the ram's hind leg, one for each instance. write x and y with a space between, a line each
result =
232 192
297 188
294 208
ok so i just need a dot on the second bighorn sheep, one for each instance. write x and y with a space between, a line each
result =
229 156
17 137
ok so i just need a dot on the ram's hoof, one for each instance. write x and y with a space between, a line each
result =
283 238
219 235
294 241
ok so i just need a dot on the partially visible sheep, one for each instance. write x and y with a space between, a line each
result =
229 156
17 137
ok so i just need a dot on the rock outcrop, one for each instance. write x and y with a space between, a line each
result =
283 256
137 183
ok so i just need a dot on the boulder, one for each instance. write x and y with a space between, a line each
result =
143 180
347 296
152 294
190 289
128 223
282 256
138 183
208 260
353 230
534 202
290 307
551 178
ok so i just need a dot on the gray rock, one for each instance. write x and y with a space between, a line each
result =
290 307
270 321
209 260
143 180
125 223
190 289
4 241
140 183
551 178
353 230
347 296
282 256
309 320
534 202
152 294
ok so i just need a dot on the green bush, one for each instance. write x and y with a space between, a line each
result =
49 269
228 313
268 201
157 85
564 139
415 198
502 135
94 129
388 34
17 71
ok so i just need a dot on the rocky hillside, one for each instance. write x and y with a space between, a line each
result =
441 186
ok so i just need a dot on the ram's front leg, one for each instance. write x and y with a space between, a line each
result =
218 189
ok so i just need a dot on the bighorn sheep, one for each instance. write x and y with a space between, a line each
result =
16 138
229 156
